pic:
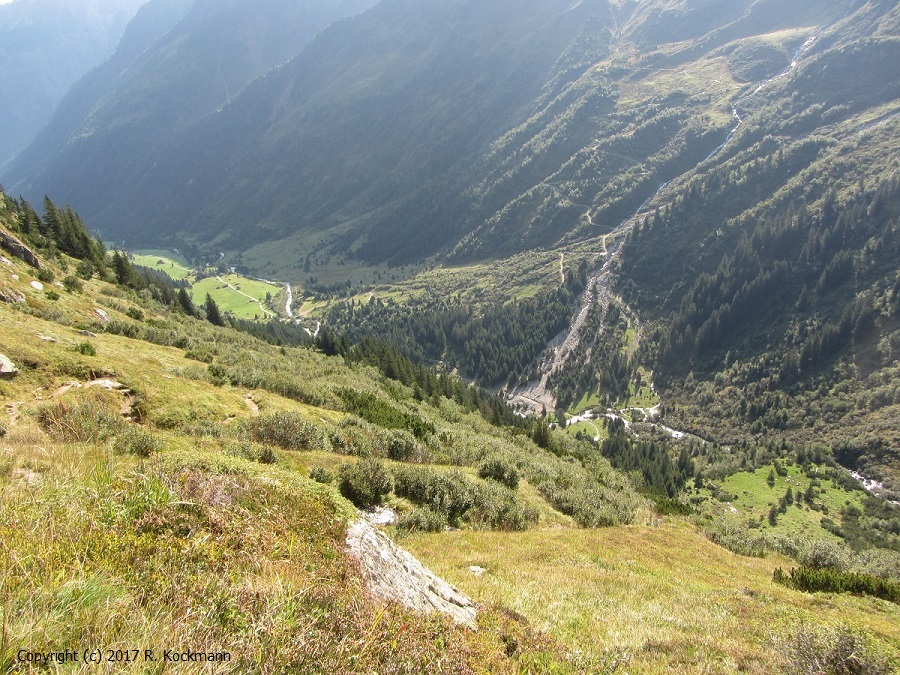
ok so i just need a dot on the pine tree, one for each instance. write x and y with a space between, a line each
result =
212 312
185 302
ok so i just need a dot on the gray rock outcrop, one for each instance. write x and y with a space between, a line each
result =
393 574
8 370
10 295
18 249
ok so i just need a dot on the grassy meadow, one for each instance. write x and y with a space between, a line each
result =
649 598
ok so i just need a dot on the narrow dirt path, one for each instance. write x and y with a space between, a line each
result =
248 400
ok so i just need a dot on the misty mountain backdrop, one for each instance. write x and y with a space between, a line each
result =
45 47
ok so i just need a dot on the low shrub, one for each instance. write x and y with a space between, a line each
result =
496 507
255 452
457 498
321 475
135 313
878 562
403 447
123 328
811 580
287 430
72 284
736 538
366 482
821 554
837 651
450 493
501 469
201 353
86 348
422 519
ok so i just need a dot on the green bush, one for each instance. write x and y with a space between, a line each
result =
86 348
820 554
366 482
255 452
450 493
403 447
135 313
812 580
878 562
456 498
202 353
85 269
321 475
72 284
373 409
116 327
736 538
422 519
496 507
501 469
287 430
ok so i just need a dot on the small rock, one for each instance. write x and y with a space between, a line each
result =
15 277
87 333
105 383
28 476
476 570
8 369
103 316
37 285
47 338
58 284
5 261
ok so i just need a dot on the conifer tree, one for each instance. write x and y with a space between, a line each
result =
212 312
185 302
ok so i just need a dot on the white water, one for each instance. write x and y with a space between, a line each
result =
795 60
290 301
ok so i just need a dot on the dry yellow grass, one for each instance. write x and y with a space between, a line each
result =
664 596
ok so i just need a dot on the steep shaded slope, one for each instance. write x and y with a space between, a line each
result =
414 126
45 47
179 61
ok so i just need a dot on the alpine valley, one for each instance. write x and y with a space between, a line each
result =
592 306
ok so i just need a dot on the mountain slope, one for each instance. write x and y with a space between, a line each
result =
387 127
45 47
179 61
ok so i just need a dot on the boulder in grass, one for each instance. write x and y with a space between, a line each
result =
18 249
8 369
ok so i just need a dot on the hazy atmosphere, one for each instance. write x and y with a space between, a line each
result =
450 336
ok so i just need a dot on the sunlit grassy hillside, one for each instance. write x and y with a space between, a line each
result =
156 494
